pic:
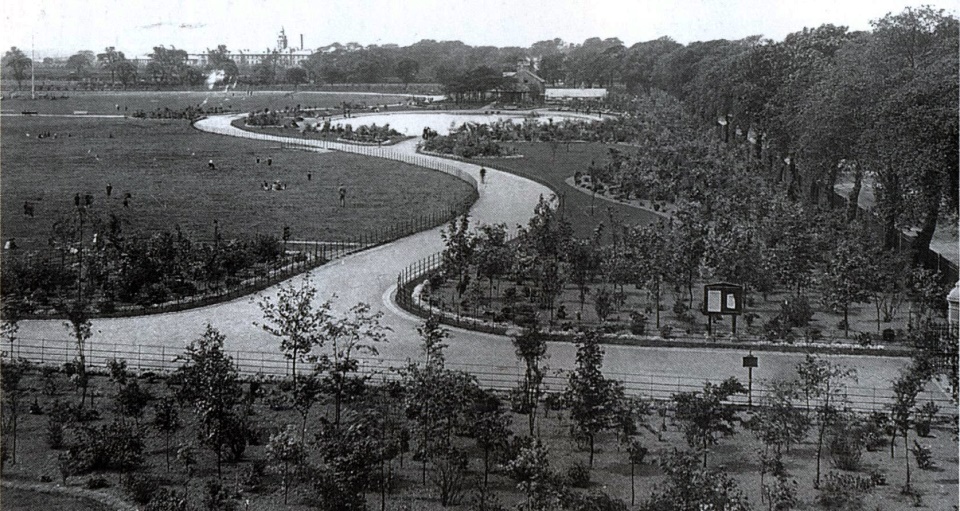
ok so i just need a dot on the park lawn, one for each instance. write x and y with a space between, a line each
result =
236 101
16 499
163 164
735 455
552 165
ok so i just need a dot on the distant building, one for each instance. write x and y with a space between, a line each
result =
523 86
285 55
572 94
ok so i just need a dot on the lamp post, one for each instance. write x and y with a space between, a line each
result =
750 361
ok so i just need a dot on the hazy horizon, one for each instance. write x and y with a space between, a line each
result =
59 28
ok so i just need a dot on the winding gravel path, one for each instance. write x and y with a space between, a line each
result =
370 277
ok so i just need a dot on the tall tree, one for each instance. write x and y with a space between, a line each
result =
531 350
348 336
296 317
705 417
825 381
209 380
18 64
595 402
109 60
80 61
12 375
407 70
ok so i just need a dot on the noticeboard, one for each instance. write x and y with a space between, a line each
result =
722 298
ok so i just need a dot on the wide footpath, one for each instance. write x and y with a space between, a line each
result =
370 276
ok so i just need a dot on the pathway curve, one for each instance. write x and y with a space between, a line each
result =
370 277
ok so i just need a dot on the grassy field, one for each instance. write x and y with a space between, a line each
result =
15 499
239 101
736 455
541 163
163 165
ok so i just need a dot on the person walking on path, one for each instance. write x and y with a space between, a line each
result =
483 175
343 196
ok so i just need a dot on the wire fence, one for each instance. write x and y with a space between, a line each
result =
504 377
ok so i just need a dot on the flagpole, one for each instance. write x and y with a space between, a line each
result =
33 58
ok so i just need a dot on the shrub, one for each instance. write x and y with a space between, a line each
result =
167 500
96 483
592 501
141 487
923 454
843 491
56 428
638 323
925 416
666 331
116 446
874 430
846 444
796 312
578 475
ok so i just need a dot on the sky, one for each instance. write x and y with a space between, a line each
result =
59 28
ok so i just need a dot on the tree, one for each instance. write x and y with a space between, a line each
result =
490 426
825 381
777 422
295 75
80 61
18 63
531 349
166 420
349 336
11 383
636 453
493 257
905 391
285 448
169 65
126 72
848 275
110 59
348 454
219 59
458 253
78 323
594 401
436 399
704 417
531 470
297 319
208 378
407 70
449 469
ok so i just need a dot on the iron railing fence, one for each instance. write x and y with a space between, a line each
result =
502 377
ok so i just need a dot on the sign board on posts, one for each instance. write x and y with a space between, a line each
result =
722 298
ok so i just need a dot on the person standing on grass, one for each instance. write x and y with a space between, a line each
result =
109 189
343 196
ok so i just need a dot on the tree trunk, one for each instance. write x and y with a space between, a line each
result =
633 492
906 457
927 226
591 449
853 204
